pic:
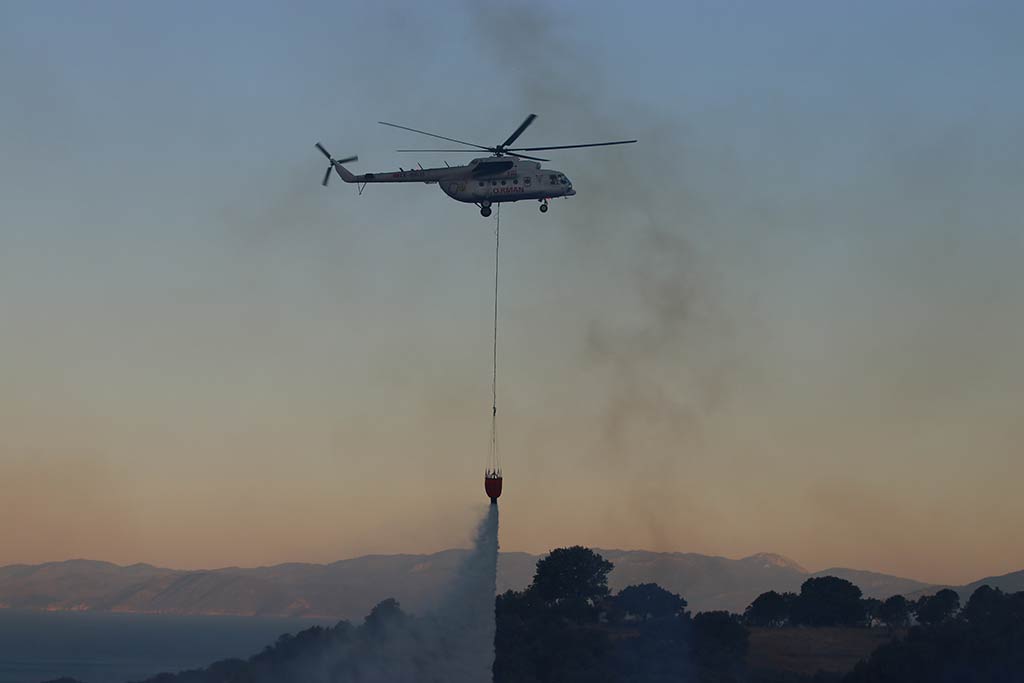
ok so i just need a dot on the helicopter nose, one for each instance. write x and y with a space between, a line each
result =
570 192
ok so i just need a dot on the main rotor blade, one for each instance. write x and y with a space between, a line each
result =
322 150
441 137
589 144
327 176
472 151
519 131
524 156
468 151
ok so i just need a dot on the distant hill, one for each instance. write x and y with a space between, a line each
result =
873 584
1008 583
350 588
709 582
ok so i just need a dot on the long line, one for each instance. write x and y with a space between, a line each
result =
494 367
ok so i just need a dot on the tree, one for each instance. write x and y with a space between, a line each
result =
573 579
770 609
993 611
828 601
647 601
549 632
384 614
983 604
535 642
895 612
934 609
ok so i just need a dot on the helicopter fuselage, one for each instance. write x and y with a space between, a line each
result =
484 181
503 179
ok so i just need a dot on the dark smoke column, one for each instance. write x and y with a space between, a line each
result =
492 485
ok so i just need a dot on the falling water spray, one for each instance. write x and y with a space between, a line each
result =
466 615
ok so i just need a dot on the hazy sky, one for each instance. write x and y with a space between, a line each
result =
790 319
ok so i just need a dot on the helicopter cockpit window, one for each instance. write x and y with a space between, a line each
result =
554 179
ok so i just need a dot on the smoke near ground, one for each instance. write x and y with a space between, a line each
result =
455 643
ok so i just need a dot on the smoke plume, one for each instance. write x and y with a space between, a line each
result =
455 643
659 353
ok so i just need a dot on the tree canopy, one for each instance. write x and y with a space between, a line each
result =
934 609
770 609
828 601
895 612
573 578
823 601
647 601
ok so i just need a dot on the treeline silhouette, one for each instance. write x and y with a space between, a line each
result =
831 601
983 642
567 626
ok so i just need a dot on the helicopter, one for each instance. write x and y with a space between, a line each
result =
507 175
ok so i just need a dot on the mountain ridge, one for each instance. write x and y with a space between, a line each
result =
1011 582
348 588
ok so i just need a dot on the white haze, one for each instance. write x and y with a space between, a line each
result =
455 643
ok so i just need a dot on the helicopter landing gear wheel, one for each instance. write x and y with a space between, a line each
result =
485 211
544 208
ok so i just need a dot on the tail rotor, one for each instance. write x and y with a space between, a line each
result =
334 163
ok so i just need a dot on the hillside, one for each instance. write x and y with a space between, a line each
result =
349 588
1008 583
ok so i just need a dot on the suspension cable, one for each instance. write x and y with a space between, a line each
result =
495 463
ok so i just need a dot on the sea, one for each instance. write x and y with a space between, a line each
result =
97 647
